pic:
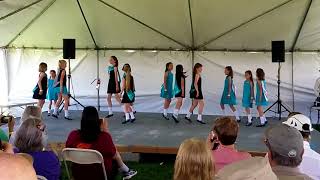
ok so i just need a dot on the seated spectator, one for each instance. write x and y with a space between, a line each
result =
29 139
285 151
222 140
93 134
9 120
310 164
15 167
194 161
248 169
29 112
5 147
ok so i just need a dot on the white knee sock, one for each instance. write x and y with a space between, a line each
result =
262 120
132 115
55 111
176 112
223 112
110 110
127 116
49 110
199 117
165 112
188 114
66 113
249 118
236 114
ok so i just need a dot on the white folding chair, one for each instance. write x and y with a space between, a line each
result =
82 156
41 177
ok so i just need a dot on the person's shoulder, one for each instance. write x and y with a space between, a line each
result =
244 154
74 133
104 134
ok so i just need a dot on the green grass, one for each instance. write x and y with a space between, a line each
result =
316 126
146 171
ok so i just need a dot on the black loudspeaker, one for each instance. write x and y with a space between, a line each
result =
69 48
278 51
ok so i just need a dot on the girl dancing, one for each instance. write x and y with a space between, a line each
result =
40 91
128 93
60 89
51 96
261 96
113 84
229 95
196 93
248 95
166 89
179 90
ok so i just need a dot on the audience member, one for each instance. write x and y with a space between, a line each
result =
248 169
285 151
310 164
93 134
194 161
10 121
29 112
15 167
222 140
30 139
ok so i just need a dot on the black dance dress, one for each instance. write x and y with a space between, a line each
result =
44 84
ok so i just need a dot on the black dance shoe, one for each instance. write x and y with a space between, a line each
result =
109 115
68 118
201 122
249 124
132 120
261 125
175 119
165 117
188 119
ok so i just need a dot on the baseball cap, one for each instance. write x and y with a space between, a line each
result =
285 140
255 168
300 122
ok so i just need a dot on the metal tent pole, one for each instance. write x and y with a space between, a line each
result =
20 9
294 46
98 80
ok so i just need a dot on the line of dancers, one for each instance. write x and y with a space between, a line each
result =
171 87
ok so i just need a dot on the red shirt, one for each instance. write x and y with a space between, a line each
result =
103 144
224 156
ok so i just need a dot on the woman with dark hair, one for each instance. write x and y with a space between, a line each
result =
179 90
229 93
196 94
167 89
113 84
93 134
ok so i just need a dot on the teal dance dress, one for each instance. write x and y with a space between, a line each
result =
264 98
51 95
231 100
169 93
247 100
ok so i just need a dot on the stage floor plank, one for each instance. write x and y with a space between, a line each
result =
150 129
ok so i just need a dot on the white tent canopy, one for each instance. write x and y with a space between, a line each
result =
166 24
215 33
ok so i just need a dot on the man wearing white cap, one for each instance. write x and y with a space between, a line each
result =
285 145
310 164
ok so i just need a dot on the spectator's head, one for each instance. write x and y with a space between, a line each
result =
30 137
15 167
194 161
285 146
226 130
31 112
90 124
248 169
302 123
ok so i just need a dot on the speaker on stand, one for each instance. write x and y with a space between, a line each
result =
69 52
278 56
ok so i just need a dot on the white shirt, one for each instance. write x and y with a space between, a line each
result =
310 164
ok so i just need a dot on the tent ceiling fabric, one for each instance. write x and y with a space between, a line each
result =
112 29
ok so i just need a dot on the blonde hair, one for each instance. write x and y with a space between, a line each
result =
61 63
194 161
127 70
43 67
31 112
